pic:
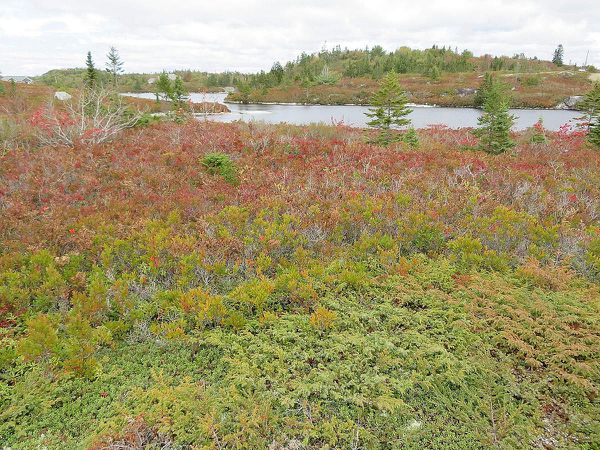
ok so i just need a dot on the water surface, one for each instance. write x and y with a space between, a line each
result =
421 116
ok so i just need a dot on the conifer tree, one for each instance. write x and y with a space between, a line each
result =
558 55
538 133
411 138
114 65
277 72
164 89
434 73
495 122
178 95
484 87
91 75
591 106
389 109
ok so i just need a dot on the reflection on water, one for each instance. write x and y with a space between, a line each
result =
421 116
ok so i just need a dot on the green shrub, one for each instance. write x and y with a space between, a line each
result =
592 257
146 119
221 164
411 138
531 80
253 294
41 340
421 234
322 318
470 253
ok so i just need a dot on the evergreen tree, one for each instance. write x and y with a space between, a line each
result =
484 88
164 89
496 64
434 73
245 90
558 55
538 133
137 85
389 108
591 105
411 138
114 65
495 122
326 76
277 72
91 74
179 95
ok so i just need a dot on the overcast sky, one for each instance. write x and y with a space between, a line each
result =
249 35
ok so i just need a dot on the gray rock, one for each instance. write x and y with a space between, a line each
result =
570 102
62 96
462 92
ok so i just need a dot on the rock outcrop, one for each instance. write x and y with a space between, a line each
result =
463 92
570 102
62 96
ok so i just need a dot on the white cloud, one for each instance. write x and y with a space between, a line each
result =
249 35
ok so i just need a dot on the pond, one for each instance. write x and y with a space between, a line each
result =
421 116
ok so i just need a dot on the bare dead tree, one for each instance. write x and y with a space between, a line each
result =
92 117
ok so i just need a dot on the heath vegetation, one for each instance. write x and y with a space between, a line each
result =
191 284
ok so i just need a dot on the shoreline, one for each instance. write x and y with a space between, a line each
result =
411 105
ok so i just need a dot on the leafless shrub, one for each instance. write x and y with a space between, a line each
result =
10 136
15 104
93 117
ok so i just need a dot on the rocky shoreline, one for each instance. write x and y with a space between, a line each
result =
565 105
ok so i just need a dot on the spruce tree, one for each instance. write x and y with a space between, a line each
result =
164 89
114 65
411 138
484 87
591 106
178 95
558 55
389 109
91 75
277 72
495 122
538 133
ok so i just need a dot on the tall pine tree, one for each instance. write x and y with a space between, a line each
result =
179 95
495 122
558 55
114 65
91 74
164 88
484 88
389 109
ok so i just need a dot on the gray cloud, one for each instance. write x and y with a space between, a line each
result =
250 35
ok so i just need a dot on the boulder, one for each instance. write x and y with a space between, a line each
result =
462 92
62 96
570 102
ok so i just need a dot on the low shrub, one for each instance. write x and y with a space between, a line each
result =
221 164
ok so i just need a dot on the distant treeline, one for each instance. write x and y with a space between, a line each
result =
136 82
326 67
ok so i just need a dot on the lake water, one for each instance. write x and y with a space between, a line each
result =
421 116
